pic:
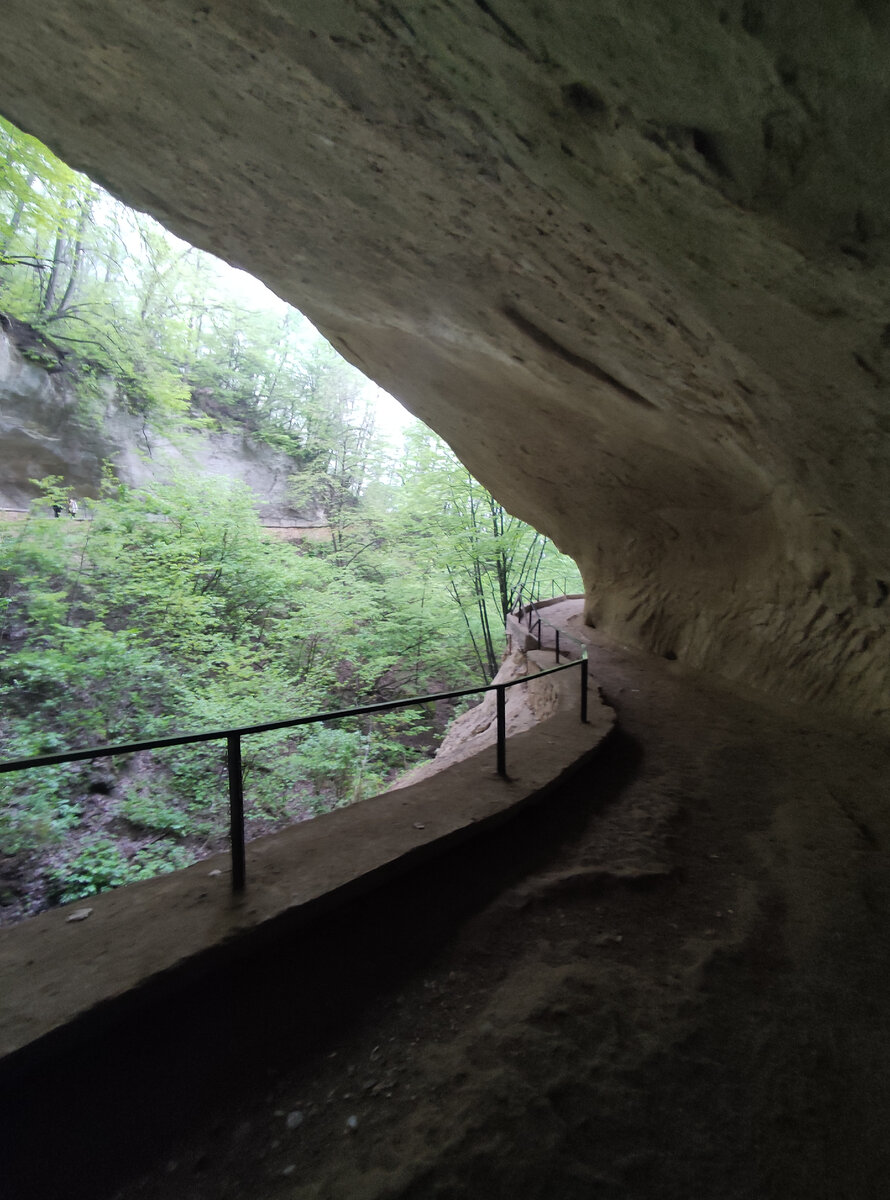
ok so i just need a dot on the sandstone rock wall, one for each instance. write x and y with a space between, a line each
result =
474 732
630 259
47 429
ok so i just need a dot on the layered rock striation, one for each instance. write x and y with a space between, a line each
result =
629 259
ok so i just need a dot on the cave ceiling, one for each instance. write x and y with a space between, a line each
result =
629 258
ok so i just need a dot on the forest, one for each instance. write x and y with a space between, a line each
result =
169 609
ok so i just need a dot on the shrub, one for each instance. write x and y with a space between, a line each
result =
151 812
100 865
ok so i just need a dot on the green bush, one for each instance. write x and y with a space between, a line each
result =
37 809
101 865
331 758
151 812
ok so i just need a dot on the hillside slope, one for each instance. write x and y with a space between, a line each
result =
51 424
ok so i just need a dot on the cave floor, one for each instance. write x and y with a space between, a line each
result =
672 981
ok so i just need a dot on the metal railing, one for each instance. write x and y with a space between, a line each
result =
534 625
233 738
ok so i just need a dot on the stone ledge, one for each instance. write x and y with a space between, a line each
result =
63 980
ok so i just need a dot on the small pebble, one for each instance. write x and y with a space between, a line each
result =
351 1124
294 1120
289 1170
419 825
214 873
80 914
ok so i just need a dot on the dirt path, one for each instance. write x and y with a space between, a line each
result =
673 983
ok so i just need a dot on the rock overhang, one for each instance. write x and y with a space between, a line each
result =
629 259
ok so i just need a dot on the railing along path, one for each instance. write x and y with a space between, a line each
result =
233 736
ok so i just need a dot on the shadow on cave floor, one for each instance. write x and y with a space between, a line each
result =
668 979
223 1039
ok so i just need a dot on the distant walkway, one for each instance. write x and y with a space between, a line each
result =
562 613
285 531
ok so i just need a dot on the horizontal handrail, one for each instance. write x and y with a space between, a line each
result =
66 756
234 735
517 610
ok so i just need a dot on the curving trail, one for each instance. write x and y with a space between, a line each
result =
672 981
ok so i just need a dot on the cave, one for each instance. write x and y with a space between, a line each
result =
630 261
630 264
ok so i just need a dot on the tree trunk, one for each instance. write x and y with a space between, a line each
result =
76 263
58 267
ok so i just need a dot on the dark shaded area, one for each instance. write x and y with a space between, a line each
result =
154 1067
585 100
705 144
34 345
753 20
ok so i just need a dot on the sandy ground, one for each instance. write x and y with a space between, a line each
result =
672 983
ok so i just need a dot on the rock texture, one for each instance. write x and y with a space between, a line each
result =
46 429
630 259
475 731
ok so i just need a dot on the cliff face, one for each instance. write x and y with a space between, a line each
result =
47 429
629 259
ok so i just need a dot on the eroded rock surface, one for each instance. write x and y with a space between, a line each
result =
47 428
475 732
629 259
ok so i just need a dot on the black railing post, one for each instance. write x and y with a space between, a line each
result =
236 811
584 690
557 645
502 730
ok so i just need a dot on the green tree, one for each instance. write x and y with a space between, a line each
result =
485 557
170 608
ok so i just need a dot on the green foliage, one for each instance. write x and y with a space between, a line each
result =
101 865
330 758
155 813
36 809
97 867
169 608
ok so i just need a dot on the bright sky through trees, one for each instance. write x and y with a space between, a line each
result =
391 418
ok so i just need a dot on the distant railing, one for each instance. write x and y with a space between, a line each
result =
233 738
534 627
